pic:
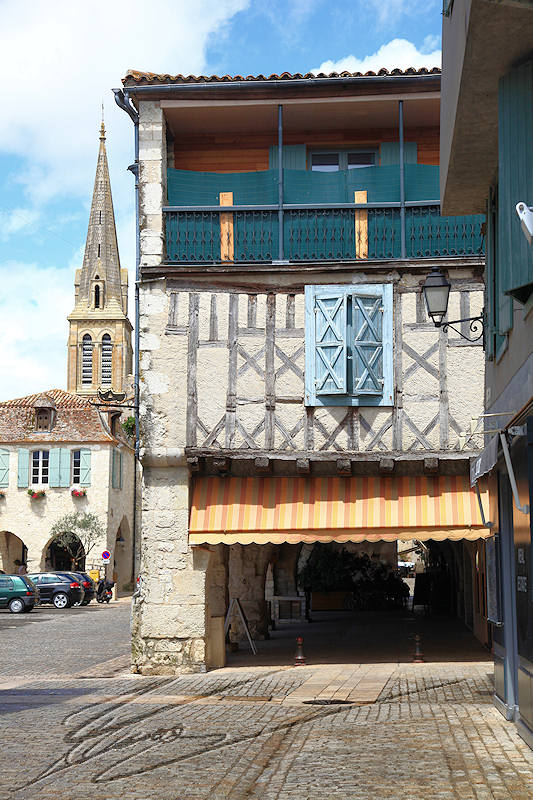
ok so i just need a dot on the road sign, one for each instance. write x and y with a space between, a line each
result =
106 556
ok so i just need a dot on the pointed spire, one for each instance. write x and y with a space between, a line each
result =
101 256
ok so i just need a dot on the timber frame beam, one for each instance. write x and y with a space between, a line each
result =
257 462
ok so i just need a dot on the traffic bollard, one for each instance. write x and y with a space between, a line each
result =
418 656
299 658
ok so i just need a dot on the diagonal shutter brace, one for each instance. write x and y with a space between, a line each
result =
512 480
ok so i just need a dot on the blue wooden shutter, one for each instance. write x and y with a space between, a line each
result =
325 342
23 468
371 344
64 467
4 468
53 466
85 467
294 156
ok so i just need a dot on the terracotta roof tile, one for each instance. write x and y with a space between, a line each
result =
152 78
61 399
75 420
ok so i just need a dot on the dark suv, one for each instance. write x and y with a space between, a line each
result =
18 593
61 589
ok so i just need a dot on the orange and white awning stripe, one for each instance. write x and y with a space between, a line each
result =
310 509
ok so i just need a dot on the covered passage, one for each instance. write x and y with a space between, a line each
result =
275 540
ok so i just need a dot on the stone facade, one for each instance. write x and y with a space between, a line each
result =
25 523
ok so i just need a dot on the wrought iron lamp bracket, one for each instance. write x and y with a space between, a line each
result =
476 324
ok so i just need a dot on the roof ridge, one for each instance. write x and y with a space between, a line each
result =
58 395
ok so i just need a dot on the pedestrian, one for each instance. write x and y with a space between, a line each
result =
21 567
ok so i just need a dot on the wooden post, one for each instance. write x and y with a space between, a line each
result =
361 226
226 228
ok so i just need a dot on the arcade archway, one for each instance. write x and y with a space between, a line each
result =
12 550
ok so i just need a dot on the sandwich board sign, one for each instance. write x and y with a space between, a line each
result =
106 556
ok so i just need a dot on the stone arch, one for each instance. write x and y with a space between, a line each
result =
57 557
12 549
122 558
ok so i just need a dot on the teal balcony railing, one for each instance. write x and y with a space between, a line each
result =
317 221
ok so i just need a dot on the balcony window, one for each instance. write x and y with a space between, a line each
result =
342 160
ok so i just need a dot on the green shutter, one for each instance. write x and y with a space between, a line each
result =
53 467
515 183
23 468
390 153
120 470
64 467
85 467
489 280
294 156
114 476
4 468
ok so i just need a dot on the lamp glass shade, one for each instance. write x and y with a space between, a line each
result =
436 290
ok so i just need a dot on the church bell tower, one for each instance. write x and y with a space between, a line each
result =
99 345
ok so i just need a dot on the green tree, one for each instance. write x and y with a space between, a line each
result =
78 533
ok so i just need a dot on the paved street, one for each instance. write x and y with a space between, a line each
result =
412 732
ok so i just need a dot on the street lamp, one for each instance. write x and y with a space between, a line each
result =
436 289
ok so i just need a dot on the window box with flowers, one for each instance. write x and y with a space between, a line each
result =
36 494
2 494
76 492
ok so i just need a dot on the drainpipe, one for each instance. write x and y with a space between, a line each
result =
123 101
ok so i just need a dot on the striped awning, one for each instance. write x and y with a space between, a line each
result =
325 509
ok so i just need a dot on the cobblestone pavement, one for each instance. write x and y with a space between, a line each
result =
51 641
432 733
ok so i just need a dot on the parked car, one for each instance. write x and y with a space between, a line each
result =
60 589
18 593
87 584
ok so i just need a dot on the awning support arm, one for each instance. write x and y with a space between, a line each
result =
485 522
509 464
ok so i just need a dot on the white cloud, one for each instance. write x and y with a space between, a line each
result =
398 53
16 220
33 335
58 63
61 60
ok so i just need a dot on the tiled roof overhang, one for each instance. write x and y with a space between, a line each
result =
154 84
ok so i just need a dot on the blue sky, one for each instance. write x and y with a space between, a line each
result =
61 61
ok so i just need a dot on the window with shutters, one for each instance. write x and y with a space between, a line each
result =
76 466
39 466
348 345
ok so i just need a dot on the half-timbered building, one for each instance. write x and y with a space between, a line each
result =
292 387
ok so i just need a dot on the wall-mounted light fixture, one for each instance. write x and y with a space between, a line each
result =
436 290
525 215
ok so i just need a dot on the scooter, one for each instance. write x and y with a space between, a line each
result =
103 591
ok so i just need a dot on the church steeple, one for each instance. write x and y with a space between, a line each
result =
100 333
